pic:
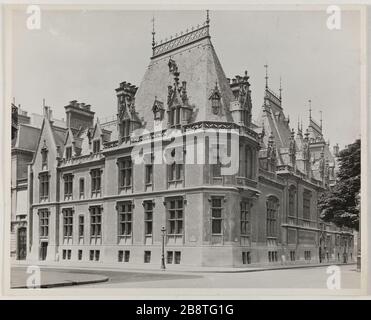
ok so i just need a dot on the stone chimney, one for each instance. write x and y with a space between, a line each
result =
79 115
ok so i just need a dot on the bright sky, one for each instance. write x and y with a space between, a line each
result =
84 55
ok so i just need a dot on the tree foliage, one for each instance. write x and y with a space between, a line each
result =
341 204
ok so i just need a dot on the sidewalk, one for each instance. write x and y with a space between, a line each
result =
120 267
52 279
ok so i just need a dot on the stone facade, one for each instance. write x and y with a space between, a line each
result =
90 201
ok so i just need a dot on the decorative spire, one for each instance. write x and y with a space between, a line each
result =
207 18
321 118
280 88
153 32
310 109
266 76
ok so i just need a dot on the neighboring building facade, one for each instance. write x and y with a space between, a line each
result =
25 134
90 201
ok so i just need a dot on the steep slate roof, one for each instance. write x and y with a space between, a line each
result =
273 120
27 137
199 66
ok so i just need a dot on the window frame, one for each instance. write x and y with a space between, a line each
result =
148 206
68 185
175 223
43 223
245 217
125 219
44 179
272 207
96 178
218 220
95 222
67 223
125 167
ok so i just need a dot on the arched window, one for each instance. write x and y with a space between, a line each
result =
292 201
272 216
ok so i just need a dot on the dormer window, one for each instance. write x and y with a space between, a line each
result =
44 158
125 130
174 117
96 146
68 153
215 100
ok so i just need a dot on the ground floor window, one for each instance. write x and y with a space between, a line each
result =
307 255
66 254
292 255
170 255
79 255
124 256
177 257
94 255
272 256
246 258
173 257
147 256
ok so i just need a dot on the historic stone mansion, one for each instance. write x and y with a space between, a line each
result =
84 199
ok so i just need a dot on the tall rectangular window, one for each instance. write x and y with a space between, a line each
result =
148 217
125 174
125 130
44 223
67 223
245 217
95 222
81 226
246 258
96 146
292 193
96 180
149 174
272 206
82 187
177 257
44 158
175 172
306 204
44 185
125 216
216 215
68 185
147 256
175 216
248 162
68 153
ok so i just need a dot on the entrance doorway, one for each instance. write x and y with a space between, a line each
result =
43 250
22 244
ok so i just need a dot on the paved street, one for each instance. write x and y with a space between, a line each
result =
290 278
293 278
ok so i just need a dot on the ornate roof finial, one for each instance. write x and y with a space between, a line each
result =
298 124
207 18
266 76
153 32
321 118
310 109
280 88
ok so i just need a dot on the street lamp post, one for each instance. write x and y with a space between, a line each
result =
163 231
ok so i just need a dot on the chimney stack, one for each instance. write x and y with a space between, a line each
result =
79 115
